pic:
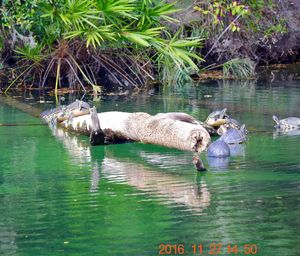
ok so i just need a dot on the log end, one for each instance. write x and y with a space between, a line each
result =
97 138
96 134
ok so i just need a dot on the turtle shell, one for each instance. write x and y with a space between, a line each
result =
234 123
218 149
78 104
234 136
291 122
230 123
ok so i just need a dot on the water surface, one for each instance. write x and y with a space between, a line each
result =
59 196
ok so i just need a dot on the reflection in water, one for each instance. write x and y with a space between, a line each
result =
49 195
73 144
80 152
221 163
8 245
172 189
237 149
286 132
95 178
218 163
166 160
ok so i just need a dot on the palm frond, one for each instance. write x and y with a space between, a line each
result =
152 13
178 53
79 13
142 38
112 9
93 36
28 53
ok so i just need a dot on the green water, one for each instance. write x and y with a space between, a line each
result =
59 196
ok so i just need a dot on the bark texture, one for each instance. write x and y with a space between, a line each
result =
158 129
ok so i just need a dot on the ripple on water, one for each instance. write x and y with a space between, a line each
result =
60 196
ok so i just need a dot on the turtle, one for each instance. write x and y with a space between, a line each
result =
230 123
287 123
179 116
183 117
235 136
61 113
78 104
218 148
217 118
50 116
77 108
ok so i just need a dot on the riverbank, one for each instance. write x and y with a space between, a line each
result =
51 47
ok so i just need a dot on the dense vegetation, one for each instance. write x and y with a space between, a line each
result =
127 43
266 31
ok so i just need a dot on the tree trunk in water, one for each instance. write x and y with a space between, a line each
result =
158 129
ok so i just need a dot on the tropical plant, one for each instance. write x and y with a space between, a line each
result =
82 37
29 64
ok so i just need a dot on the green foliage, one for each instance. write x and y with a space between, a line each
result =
224 13
277 28
1 42
18 13
151 12
30 54
176 57
250 15
239 68
103 24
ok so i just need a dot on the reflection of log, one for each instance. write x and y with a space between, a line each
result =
20 105
171 188
158 129
145 175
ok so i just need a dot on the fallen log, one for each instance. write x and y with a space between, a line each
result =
175 129
158 129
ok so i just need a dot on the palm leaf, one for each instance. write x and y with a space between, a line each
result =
137 37
30 53
115 8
